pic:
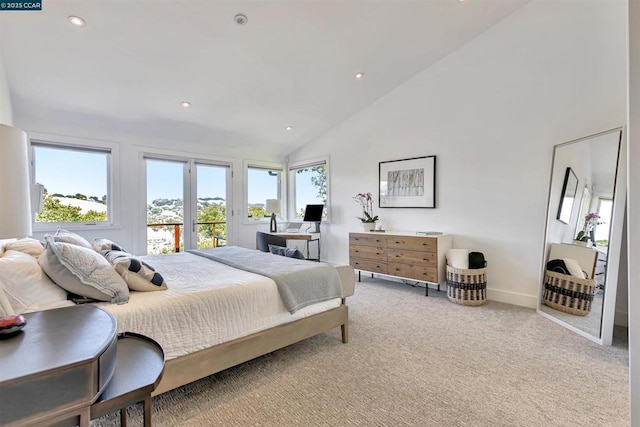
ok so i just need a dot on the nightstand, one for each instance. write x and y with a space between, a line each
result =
139 368
56 367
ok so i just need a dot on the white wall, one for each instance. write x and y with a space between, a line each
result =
634 208
6 110
492 112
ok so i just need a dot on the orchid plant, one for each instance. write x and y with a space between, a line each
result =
366 201
590 222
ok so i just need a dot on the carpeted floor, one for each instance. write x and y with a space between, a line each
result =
414 361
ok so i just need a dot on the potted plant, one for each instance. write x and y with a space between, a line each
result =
367 219
585 236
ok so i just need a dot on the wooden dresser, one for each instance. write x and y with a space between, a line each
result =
405 255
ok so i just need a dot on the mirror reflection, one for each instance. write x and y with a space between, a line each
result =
582 190
568 196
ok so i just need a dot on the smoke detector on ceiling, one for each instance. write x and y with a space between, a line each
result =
240 19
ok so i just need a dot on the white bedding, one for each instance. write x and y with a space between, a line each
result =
206 303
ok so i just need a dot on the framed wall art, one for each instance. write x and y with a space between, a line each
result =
408 183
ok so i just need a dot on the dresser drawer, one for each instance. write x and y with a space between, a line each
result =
368 252
426 274
428 244
368 265
361 239
425 259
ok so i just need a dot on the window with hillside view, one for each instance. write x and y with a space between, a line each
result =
76 183
308 186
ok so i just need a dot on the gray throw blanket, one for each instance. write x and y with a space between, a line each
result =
300 282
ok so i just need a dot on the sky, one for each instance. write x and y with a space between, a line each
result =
60 171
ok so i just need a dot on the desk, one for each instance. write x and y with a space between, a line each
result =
308 237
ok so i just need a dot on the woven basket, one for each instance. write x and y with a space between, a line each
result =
568 294
467 286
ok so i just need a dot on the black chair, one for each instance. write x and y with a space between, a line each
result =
263 240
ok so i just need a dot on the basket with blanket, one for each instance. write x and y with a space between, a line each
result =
567 288
466 277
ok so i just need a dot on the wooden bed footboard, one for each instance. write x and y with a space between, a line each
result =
191 367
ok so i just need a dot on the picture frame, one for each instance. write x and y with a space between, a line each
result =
568 196
407 183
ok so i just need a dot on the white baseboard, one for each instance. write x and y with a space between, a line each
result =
515 298
621 318
499 295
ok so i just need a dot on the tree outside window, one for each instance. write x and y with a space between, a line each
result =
310 184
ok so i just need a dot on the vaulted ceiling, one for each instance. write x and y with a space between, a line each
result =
291 64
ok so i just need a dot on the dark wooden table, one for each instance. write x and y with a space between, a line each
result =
56 367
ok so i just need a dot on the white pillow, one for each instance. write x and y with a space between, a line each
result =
27 245
73 238
82 271
5 242
573 267
5 306
26 286
458 258
139 275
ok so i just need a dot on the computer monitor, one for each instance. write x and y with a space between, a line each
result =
313 213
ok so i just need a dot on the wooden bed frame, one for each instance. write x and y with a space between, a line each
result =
191 367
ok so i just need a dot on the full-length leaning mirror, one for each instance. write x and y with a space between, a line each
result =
582 248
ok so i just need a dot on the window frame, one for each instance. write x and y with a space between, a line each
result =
274 166
291 194
111 150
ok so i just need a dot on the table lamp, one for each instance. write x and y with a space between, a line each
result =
15 216
273 206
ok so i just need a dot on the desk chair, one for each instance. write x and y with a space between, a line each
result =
263 240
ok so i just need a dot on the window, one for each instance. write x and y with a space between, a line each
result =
263 182
76 183
308 186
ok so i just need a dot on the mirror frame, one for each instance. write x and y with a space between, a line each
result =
615 242
570 181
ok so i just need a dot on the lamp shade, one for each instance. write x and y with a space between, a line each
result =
15 204
273 206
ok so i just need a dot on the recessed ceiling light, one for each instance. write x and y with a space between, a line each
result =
289 128
358 76
77 21
185 104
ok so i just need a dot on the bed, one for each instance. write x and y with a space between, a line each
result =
212 315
